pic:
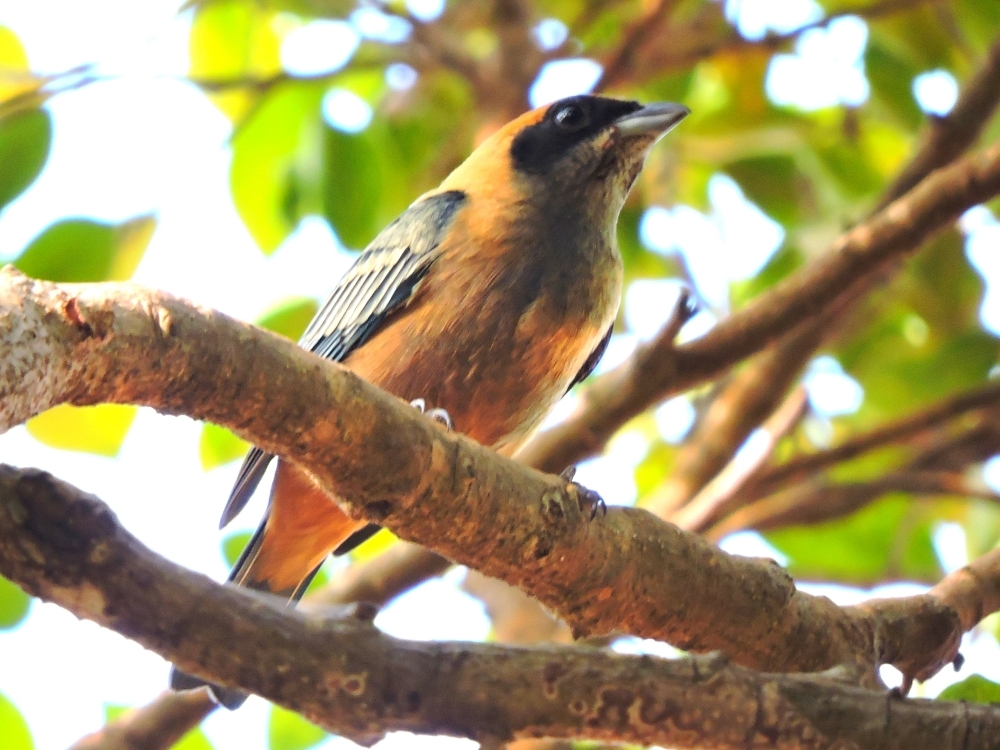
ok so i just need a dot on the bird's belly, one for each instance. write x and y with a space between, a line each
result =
497 382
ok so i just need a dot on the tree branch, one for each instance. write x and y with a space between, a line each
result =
343 674
627 572
156 726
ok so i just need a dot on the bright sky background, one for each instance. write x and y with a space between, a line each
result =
145 141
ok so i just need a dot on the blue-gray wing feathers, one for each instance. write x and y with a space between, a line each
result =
381 280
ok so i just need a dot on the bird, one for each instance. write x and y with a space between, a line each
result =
488 298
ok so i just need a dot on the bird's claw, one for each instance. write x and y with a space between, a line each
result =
440 416
591 503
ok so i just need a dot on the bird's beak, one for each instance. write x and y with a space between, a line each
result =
653 120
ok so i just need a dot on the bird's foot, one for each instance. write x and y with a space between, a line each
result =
591 503
440 416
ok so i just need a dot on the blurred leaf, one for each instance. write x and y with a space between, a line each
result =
979 21
781 264
282 131
218 446
16 79
918 36
654 469
352 186
920 340
97 429
12 54
77 250
846 162
974 689
775 184
891 81
639 262
232 546
319 580
287 730
13 727
193 740
25 139
14 605
379 543
234 41
878 543
289 317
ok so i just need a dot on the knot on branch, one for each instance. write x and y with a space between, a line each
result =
918 636
52 525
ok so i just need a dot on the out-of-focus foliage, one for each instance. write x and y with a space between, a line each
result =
974 689
193 740
13 727
83 250
286 730
233 545
25 138
14 604
94 429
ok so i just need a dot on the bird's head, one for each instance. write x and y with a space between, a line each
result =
579 154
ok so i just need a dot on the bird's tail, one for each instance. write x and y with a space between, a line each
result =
302 527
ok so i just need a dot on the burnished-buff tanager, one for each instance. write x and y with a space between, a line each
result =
488 298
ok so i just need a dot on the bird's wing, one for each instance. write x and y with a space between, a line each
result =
593 359
381 280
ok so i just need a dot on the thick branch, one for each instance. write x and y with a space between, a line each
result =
627 572
345 675
660 369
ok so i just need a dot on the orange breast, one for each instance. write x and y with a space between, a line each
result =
495 360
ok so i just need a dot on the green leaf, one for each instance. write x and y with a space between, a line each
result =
25 139
289 317
319 580
232 546
90 429
78 250
13 727
273 154
287 730
891 81
218 446
12 54
775 184
352 185
193 740
783 263
14 604
233 41
883 541
975 689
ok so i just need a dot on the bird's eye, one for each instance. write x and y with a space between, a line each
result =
571 117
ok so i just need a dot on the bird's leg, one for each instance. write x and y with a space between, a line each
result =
440 416
591 503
